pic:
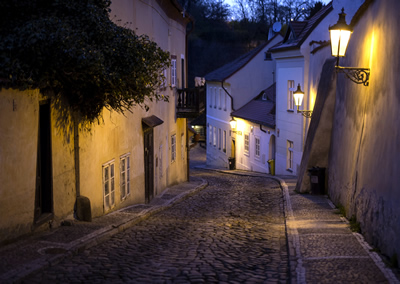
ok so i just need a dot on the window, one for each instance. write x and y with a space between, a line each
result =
210 135
210 97
215 97
108 185
225 97
289 155
247 143
173 148
268 56
224 142
124 178
290 90
220 99
257 147
173 71
215 136
219 138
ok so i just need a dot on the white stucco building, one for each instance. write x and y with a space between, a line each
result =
255 142
299 59
229 88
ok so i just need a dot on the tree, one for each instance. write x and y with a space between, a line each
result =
74 53
271 11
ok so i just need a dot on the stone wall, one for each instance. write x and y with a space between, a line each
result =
364 159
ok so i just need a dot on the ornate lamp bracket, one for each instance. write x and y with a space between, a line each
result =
357 75
305 113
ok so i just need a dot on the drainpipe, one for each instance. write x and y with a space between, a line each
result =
226 91
262 129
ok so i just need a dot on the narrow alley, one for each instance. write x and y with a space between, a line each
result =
232 231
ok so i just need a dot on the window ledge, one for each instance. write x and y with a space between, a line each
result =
289 170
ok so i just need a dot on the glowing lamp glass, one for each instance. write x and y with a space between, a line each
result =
233 123
340 36
339 42
298 96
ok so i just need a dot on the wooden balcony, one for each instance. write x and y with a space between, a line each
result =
191 102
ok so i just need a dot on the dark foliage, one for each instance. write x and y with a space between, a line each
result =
73 52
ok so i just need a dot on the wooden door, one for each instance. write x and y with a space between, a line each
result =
149 164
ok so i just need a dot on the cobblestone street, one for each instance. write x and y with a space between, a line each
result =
232 231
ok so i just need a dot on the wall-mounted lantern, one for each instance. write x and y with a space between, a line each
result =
233 124
340 36
298 96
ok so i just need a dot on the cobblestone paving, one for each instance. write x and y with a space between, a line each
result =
232 231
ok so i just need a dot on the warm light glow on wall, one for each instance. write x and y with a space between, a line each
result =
240 125
313 96
372 48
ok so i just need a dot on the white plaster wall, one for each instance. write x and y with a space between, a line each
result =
289 124
242 87
254 77
364 158
218 115
249 161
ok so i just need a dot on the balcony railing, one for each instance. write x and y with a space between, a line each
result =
191 102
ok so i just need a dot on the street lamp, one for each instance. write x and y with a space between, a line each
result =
298 96
340 36
233 124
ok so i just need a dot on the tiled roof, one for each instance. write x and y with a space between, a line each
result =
298 27
224 72
302 30
258 110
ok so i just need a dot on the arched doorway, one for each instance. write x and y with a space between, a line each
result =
272 151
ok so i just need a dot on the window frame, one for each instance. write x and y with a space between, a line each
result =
219 139
215 97
290 90
124 180
224 142
220 99
108 182
210 96
246 144
257 147
210 133
173 71
289 155
215 136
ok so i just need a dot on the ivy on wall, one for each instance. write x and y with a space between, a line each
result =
72 52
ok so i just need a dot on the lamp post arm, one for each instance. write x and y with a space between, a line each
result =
357 75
